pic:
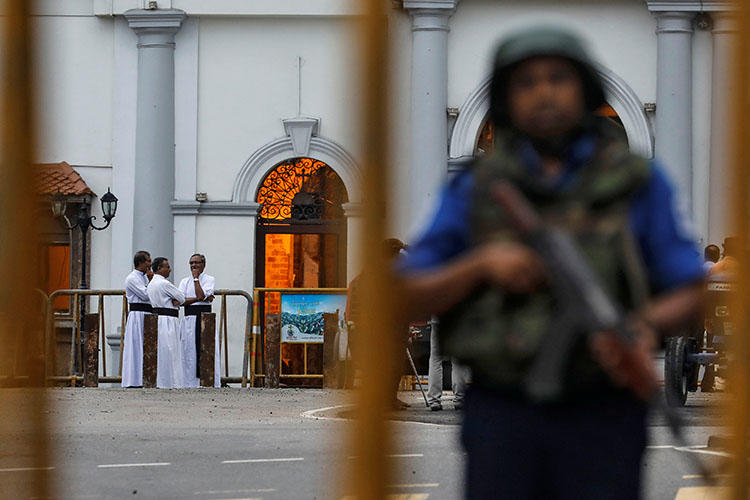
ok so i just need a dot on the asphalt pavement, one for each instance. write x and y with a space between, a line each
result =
278 444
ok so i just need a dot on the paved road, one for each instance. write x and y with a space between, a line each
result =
256 444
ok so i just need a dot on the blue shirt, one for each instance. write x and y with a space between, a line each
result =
669 251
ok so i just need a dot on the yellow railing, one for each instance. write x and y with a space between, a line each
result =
76 334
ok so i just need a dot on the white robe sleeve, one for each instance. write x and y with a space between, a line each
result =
174 292
209 286
138 289
183 286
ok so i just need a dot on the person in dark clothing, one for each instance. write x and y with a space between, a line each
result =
355 309
491 290
711 255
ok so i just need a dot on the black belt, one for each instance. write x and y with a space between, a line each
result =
196 311
166 311
137 306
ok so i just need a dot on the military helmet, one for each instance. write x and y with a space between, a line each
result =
541 41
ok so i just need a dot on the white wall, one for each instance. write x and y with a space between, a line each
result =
228 242
620 34
248 83
74 68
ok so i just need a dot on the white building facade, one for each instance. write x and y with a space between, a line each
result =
184 107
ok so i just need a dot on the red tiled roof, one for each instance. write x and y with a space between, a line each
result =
53 177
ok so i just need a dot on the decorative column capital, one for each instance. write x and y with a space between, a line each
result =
724 23
430 15
155 28
674 22
417 5
689 5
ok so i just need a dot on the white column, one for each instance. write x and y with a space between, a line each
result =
186 144
155 126
429 91
355 225
674 93
721 106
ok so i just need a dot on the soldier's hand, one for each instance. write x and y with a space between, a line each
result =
512 266
629 365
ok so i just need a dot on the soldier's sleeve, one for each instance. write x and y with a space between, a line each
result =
447 234
667 242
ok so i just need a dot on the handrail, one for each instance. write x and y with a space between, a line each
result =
76 333
248 322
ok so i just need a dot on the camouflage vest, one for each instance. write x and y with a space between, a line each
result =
497 334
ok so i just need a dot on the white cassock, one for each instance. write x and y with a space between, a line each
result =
132 352
187 332
169 355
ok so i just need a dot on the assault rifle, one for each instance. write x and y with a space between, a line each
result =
587 309
586 306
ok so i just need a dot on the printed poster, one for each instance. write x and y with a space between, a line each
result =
302 315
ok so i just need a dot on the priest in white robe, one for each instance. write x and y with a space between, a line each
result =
138 306
165 300
198 289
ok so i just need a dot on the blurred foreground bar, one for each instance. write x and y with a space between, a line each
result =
23 426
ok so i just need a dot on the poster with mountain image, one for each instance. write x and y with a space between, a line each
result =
302 315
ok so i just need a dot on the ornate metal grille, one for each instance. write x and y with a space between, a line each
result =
301 190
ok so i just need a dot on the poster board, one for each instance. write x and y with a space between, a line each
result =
302 315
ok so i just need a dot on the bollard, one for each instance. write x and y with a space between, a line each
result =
208 346
150 346
273 351
330 363
91 351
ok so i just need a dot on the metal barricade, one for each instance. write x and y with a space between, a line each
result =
77 295
224 333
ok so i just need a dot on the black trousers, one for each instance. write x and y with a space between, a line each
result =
583 450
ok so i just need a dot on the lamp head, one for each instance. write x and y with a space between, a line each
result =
58 205
109 205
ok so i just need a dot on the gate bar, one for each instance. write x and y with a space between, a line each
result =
739 211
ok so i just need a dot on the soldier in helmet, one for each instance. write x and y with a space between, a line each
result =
492 295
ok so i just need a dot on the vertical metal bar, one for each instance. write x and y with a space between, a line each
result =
47 333
72 369
246 358
103 345
740 213
226 334
79 334
18 223
123 323
257 345
370 437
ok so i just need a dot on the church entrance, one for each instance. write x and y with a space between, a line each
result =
486 138
300 243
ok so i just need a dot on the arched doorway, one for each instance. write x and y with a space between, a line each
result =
486 136
300 242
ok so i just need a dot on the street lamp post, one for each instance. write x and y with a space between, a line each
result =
84 221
